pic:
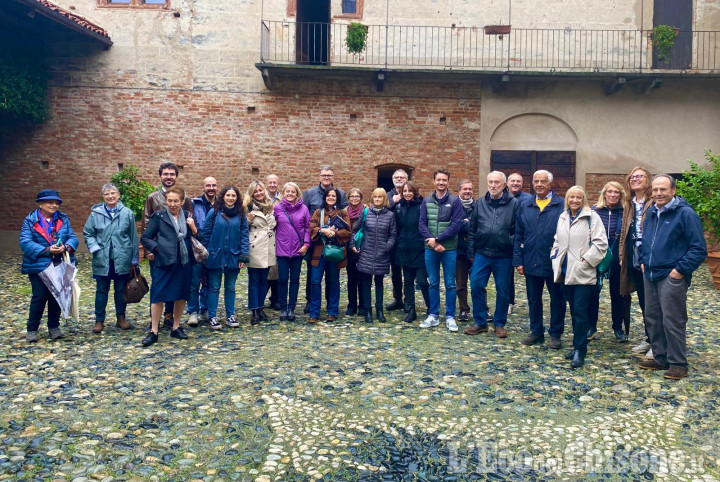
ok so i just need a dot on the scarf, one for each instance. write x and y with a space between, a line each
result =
265 208
231 212
355 212
49 228
466 202
181 231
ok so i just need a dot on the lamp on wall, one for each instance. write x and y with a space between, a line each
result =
380 81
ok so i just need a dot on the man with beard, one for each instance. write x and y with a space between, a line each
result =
197 304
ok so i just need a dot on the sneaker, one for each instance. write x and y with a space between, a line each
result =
652 365
231 321
649 355
203 316
475 330
642 347
532 339
451 324
511 308
193 320
464 316
215 324
555 343
55 333
179 334
501 332
620 336
430 321
676 372
31 337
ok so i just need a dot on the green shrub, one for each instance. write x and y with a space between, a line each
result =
356 38
133 191
701 189
663 37
23 82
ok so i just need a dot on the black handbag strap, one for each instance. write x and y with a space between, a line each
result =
302 243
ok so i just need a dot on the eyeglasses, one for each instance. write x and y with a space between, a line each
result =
327 175
353 196
636 176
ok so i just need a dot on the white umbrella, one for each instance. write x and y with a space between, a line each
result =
60 280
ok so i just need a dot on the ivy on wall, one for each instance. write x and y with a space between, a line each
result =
23 81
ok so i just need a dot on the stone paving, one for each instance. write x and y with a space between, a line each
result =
347 401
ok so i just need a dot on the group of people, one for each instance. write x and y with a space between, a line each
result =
651 240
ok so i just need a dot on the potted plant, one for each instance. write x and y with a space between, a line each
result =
700 187
356 38
663 38
133 192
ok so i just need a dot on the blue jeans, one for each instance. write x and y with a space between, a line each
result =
501 269
534 285
198 294
433 261
332 282
288 274
214 278
101 296
257 287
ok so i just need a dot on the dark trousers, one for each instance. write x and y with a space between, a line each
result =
579 297
639 279
512 288
367 280
413 276
288 281
462 274
397 281
618 302
272 287
356 296
666 319
40 296
534 286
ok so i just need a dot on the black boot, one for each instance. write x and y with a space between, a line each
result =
291 315
380 315
283 315
570 355
351 311
397 304
255 319
368 316
361 312
578 359
262 315
411 315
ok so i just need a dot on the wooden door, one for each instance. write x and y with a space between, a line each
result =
679 14
560 163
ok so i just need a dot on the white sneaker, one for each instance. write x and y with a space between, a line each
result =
232 322
511 308
215 324
649 355
451 324
193 320
430 321
644 346
204 316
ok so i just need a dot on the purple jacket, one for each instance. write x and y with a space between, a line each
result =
287 237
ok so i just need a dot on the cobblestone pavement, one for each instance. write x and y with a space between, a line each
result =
347 401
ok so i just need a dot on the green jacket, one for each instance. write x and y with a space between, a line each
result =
101 232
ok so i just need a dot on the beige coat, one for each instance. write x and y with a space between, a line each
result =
262 240
574 241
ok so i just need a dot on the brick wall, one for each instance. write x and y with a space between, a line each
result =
595 182
290 132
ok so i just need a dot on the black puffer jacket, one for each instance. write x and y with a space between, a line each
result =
410 246
492 226
380 235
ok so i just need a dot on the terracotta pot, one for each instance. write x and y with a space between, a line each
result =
713 261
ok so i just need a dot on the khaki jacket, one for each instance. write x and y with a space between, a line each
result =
262 238
627 285
584 243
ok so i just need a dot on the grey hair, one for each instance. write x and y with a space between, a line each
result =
543 171
294 186
107 187
326 168
402 171
666 176
502 174
464 181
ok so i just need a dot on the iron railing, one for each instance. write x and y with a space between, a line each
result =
470 48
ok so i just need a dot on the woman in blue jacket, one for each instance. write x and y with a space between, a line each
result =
225 234
111 236
167 241
45 235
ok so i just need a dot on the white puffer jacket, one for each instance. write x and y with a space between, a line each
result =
584 243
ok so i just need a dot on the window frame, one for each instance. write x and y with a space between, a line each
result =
137 4
358 15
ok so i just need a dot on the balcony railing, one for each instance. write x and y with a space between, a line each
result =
470 48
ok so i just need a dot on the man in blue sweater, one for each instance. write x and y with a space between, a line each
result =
197 304
673 247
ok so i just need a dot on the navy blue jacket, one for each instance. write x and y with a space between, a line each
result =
35 243
313 199
612 220
524 196
675 241
201 209
462 248
454 215
535 234
228 243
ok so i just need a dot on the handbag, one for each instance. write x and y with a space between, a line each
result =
199 251
603 269
360 235
331 252
136 287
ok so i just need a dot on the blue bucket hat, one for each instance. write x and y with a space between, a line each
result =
48 195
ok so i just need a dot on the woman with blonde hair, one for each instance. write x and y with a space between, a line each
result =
610 209
580 245
262 223
637 203
376 251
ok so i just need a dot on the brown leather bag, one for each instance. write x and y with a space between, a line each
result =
136 287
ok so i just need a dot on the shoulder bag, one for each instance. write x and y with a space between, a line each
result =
331 252
360 235
603 269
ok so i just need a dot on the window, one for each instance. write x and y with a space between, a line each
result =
350 9
349 6
135 3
